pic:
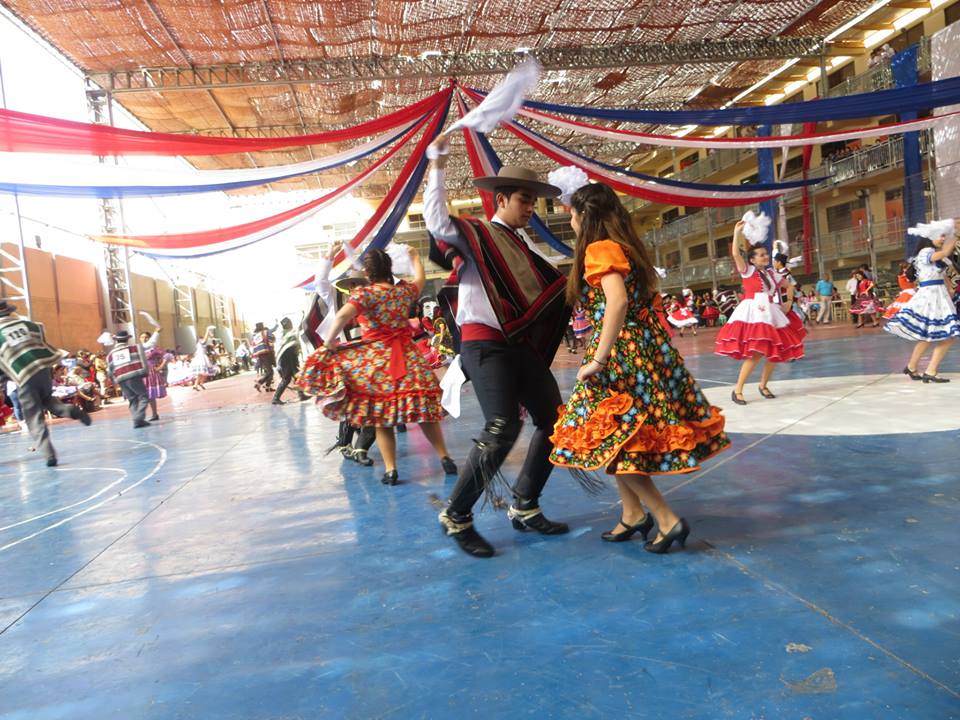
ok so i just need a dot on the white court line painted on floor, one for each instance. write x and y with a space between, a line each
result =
156 468
123 476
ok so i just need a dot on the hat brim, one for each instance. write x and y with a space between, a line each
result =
7 309
541 189
349 283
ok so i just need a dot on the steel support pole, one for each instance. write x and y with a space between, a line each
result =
118 289
871 244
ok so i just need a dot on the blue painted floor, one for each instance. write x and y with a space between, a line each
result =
219 565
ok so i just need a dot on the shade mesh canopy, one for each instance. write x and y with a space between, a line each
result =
122 35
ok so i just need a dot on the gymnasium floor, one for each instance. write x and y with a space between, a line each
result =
219 565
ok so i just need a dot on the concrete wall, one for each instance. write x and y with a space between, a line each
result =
67 297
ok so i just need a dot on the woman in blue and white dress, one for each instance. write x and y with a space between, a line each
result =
930 317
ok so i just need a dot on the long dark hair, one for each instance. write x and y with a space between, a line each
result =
603 217
378 266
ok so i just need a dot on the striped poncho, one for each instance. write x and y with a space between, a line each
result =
24 350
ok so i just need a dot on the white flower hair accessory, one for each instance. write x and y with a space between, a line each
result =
935 229
755 227
569 179
400 261
781 248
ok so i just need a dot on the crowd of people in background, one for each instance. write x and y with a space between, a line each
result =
81 378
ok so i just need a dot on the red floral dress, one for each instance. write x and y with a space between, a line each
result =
644 412
382 379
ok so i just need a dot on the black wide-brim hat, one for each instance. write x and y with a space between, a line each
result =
517 176
122 336
6 308
350 282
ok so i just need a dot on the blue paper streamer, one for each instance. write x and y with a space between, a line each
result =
938 93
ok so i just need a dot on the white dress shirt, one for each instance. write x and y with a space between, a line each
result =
473 305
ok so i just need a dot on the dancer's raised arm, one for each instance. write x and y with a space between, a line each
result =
739 239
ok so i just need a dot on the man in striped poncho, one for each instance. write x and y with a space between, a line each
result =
28 360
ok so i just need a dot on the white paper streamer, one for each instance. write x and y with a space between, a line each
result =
105 339
503 102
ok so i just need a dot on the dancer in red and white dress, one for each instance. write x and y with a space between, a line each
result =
907 280
788 292
681 317
758 327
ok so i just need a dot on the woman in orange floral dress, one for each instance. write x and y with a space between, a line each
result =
383 379
635 410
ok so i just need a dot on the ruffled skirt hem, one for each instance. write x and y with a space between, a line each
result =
740 340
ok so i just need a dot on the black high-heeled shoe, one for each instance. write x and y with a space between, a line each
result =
448 465
765 391
912 374
677 533
934 379
737 400
643 528
390 478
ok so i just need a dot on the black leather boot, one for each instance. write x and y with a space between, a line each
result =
527 515
461 529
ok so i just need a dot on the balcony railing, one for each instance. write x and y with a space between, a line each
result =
880 76
873 158
698 272
849 243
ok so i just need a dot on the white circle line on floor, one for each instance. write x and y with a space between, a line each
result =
882 405
156 468
101 491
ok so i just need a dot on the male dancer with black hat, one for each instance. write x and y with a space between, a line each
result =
127 367
28 360
512 316
263 357
288 360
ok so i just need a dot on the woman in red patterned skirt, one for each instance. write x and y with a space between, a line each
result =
382 380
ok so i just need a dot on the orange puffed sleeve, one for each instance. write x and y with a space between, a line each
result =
602 258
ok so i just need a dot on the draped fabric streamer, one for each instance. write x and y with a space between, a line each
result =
382 225
28 176
749 143
748 189
484 163
214 242
23 132
873 104
627 183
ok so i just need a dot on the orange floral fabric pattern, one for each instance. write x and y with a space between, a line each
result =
643 413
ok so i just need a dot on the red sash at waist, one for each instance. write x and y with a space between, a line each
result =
479 331
396 339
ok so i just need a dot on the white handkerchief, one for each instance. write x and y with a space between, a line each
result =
503 102
451 384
